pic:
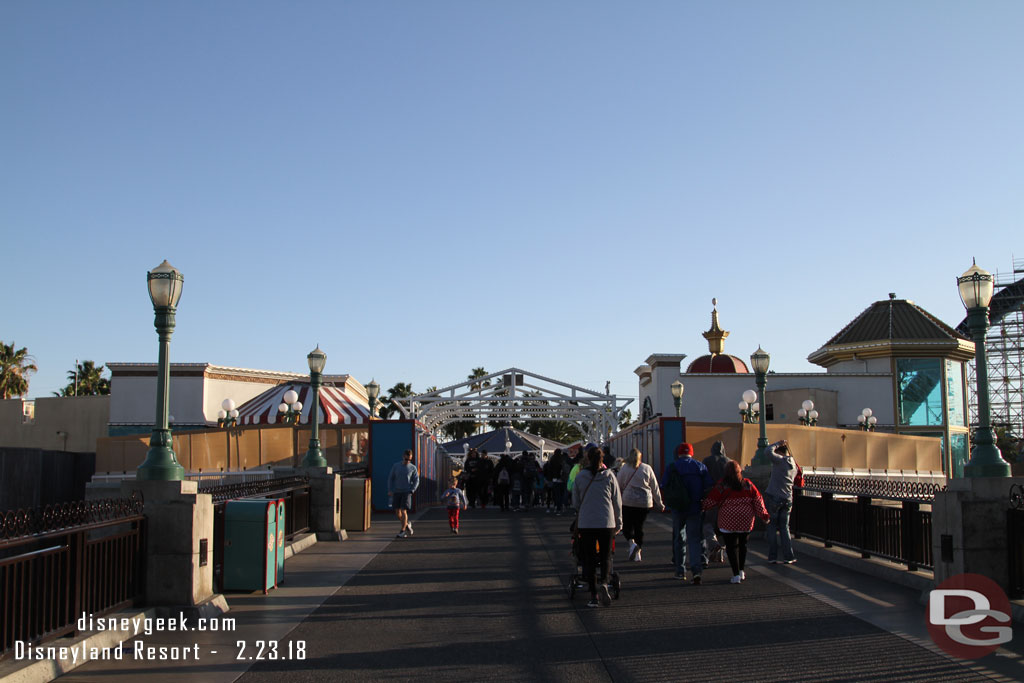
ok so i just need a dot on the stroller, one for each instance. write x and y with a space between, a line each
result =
576 581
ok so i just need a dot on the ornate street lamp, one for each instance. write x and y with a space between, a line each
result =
677 397
976 287
317 360
372 392
807 414
290 407
866 420
508 446
165 283
759 360
227 416
749 407
542 442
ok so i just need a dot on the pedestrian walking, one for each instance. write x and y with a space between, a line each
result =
779 501
640 493
738 502
455 500
471 475
682 488
503 481
403 480
715 463
597 497
556 471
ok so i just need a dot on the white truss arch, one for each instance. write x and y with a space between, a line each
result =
520 395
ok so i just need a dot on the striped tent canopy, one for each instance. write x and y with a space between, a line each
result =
336 406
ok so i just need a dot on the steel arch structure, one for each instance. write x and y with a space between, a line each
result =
516 394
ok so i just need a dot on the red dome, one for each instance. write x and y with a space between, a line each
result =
722 362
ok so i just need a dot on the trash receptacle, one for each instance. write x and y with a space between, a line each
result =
279 579
355 504
250 544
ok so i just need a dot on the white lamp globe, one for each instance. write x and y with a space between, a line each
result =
802 412
234 414
866 412
756 406
297 406
872 420
221 414
291 396
808 405
228 405
813 414
861 419
749 395
744 405
283 408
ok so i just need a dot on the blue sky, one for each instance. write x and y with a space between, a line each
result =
427 187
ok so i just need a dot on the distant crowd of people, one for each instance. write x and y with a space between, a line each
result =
713 506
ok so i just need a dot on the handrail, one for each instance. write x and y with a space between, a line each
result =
17 526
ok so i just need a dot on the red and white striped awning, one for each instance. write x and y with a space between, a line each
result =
336 407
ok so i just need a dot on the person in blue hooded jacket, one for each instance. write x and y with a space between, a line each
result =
687 532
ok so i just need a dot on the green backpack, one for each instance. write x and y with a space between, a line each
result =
674 493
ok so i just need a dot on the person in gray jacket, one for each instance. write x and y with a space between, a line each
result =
778 498
715 463
403 480
640 493
596 495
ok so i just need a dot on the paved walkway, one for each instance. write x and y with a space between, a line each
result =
491 604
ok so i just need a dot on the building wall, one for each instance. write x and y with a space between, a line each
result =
71 424
133 399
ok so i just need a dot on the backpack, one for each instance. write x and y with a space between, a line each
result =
674 493
503 477
798 478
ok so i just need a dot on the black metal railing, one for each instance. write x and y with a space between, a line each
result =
1015 542
295 492
900 532
61 561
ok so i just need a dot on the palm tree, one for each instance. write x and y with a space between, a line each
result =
400 390
15 366
86 380
476 374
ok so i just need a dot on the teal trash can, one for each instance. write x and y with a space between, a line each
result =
250 545
280 542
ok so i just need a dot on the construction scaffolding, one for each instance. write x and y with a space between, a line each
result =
1003 344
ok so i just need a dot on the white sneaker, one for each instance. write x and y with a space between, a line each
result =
632 550
743 575
400 534
735 579
637 558
408 528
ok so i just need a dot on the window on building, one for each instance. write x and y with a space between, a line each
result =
959 453
955 393
920 392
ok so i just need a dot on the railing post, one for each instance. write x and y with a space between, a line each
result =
863 524
911 536
826 503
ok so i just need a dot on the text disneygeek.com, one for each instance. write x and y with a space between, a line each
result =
138 650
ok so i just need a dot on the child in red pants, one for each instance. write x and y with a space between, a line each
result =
455 499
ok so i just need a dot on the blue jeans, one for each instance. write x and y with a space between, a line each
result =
778 527
687 533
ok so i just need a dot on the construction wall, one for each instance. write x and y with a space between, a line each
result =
241 448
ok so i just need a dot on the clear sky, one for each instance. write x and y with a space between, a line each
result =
426 187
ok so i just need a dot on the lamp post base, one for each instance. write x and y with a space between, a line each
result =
986 461
160 463
314 457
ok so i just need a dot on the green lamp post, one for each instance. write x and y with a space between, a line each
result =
677 397
314 457
759 360
372 392
976 287
165 283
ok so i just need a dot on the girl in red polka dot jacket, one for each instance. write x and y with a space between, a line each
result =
738 502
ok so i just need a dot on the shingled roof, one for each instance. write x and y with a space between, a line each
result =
894 327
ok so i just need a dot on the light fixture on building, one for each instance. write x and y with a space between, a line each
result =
677 397
291 407
807 414
976 287
749 407
227 416
866 420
